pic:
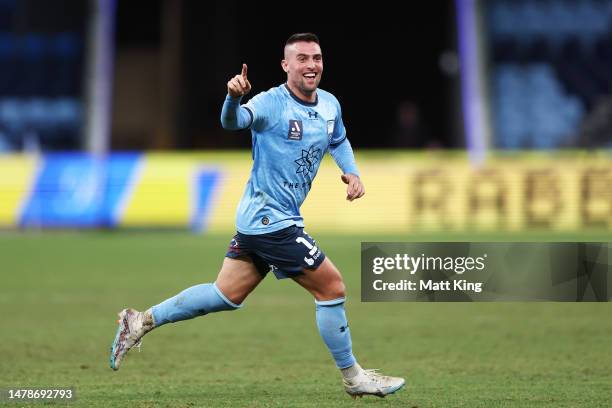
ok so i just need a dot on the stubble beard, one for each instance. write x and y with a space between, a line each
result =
309 90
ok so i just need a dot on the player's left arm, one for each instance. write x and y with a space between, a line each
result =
342 152
345 159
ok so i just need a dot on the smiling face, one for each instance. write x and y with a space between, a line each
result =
303 64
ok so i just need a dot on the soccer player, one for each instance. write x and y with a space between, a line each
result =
292 126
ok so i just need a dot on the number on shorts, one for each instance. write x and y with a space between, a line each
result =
312 249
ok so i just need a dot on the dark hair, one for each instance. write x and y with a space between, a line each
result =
305 37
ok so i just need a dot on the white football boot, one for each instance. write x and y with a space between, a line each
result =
370 382
129 334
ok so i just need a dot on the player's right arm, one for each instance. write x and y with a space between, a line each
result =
233 115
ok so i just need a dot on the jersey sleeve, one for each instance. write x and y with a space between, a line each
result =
234 116
263 108
339 132
339 146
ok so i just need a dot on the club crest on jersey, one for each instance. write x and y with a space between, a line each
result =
295 130
330 127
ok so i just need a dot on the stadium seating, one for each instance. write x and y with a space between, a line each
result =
532 109
40 90
551 62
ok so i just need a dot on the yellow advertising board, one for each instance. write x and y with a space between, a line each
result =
17 178
405 192
444 192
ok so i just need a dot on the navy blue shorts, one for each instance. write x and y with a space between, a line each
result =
287 252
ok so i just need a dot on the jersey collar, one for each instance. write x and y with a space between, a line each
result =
301 101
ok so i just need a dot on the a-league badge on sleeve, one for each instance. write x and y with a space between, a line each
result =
330 127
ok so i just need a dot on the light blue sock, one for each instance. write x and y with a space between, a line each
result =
192 302
331 320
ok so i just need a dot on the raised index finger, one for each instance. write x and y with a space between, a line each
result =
244 71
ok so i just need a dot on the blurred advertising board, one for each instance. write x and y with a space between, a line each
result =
405 192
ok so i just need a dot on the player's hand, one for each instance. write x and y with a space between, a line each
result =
239 85
355 188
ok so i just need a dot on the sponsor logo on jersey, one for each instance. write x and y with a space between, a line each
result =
295 130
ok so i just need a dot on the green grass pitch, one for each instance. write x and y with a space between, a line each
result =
60 293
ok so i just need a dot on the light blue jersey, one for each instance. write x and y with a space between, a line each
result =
290 137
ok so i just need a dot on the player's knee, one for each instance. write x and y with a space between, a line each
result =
237 295
231 302
334 290
339 290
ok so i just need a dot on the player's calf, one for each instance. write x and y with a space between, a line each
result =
195 301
